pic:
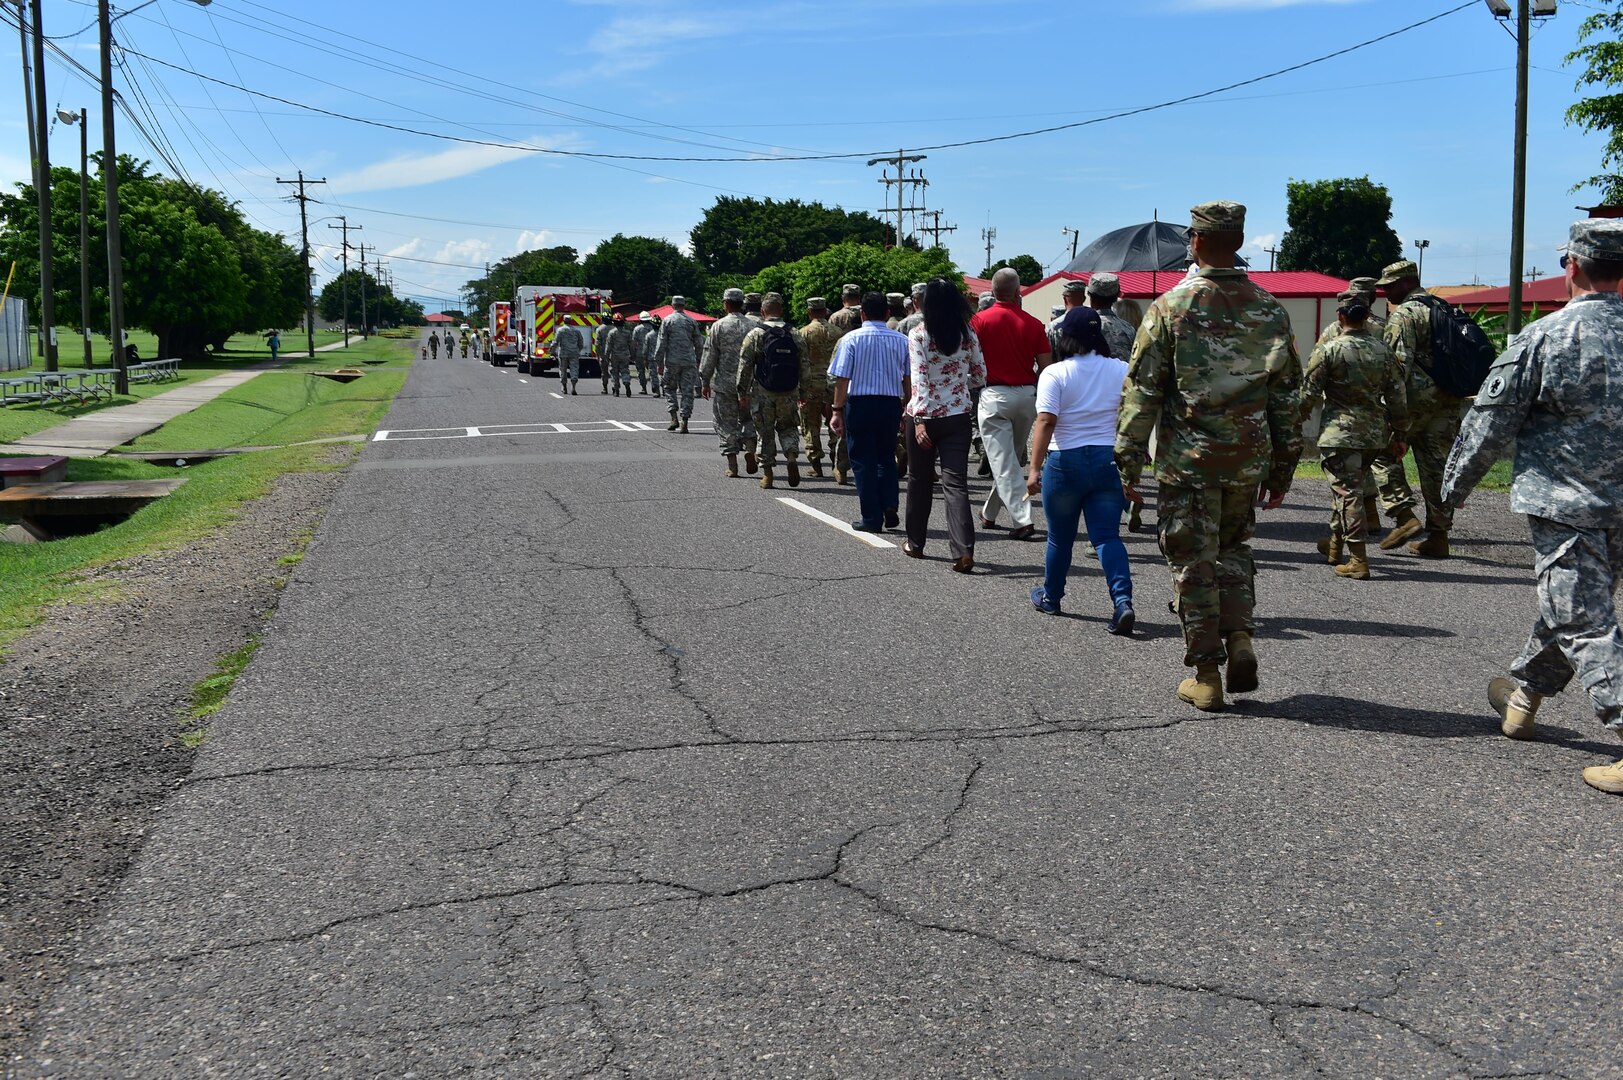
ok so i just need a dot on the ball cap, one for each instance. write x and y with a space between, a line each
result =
1219 216
1105 286
1078 321
733 296
1596 238
1398 271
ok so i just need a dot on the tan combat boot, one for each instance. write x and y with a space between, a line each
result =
840 475
1516 707
1203 689
1434 546
1607 778
1407 525
766 477
732 466
1357 565
1242 663
794 472
1330 548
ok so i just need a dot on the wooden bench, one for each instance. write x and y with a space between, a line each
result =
65 509
32 470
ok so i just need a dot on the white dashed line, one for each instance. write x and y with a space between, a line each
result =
524 381
828 519
555 394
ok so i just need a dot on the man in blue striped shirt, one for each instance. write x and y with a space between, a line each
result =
870 374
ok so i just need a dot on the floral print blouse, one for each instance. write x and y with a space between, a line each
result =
942 384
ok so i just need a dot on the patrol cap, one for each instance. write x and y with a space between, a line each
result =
1104 286
850 292
1075 288
895 297
1219 216
816 303
679 302
920 287
1403 268
1596 238
1363 286
733 296
752 298
772 299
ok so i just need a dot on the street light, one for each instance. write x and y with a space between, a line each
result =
84 223
1421 269
109 172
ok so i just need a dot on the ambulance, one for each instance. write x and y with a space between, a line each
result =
540 309
503 341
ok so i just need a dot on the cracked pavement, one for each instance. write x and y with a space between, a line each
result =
570 757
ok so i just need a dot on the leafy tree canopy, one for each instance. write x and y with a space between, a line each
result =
876 269
1029 269
542 266
1602 56
383 308
644 270
1340 227
746 235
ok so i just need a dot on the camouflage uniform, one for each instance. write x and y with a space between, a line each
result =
600 344
1365 409
844 320
1552 394
1434 416
642 353
676 351
617 353
1385 477
568 342
817 350
1214 364
776 412
719 372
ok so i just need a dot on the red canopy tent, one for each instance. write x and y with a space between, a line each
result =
438 318
664 312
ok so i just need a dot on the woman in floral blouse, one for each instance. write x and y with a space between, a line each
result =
947 369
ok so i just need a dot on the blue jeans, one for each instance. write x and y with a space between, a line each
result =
871 423
1083 482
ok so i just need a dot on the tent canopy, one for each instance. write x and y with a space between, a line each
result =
664 312
438 318
1154 245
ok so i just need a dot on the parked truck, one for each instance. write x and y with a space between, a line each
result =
503 339
541 309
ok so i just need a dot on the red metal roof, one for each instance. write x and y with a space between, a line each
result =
978 285
1546 292
1142 284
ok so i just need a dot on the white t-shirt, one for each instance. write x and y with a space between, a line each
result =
1084 394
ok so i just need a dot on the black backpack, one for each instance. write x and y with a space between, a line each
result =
778 367
1461 353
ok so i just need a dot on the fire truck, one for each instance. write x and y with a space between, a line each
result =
503 341
541 309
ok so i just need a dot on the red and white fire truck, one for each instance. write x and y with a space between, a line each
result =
503 339
540 309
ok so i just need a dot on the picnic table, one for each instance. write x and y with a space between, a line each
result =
78 387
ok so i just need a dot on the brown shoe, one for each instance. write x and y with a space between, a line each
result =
817 469
841 476
684 425
964 564
1242 677
1203 689
1407 525
675 423
732 466
793 468
1434 546
750 462
766 477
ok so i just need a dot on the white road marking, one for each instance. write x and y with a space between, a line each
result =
561 429
555 394
622 426
828 519
640 426
489 431
473 432
381 436
524 380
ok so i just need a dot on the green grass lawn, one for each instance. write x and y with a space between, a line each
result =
1498 478
70 348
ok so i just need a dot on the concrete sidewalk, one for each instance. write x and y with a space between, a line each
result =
96 433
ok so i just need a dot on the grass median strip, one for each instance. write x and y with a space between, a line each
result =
210 695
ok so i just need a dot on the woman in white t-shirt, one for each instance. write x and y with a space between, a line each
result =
1073 463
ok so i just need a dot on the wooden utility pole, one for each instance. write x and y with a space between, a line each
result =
363 290
304 230
935 228
901 159
42 187
343 278
1272 252
1075 235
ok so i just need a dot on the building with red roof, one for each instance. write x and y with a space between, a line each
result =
1547 294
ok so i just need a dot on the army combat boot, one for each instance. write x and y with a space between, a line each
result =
1135 518
750 460
1434 546
1203 689
732 465
817 469
794 472
1607 778
684 425
1330 548
675 423
1516 707
1242 663
1357 565
766 477
1407 526
1372 515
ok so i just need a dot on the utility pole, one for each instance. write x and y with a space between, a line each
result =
935 228
1532 275
1272 252
989 234
83 121
42 186
1420 268
1074 234
28 85
363 290
344 277
304 229
901 159
1518 190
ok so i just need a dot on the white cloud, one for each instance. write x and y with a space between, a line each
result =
1264 242
630 44
414 170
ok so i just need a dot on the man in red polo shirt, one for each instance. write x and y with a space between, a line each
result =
1015 345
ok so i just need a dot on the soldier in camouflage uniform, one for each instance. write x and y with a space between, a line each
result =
617 354
1365 411
845 320
818 338
916 318
676 351
568 343
718 374
1554 395
752 307
642 350
1101 293
600 346
1214 364
1434 415
849 317
777 413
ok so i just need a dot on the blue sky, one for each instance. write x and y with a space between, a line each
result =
1427 113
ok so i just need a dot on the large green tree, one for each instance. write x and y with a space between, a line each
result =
1027 266
644 270
1340 227
558 265
746 235
1601 54
876 269
383 308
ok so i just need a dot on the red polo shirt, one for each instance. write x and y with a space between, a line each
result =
1011 341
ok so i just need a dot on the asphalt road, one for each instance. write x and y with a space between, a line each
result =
567 756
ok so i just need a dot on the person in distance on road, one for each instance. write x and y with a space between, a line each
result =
568 343
915 317
718 378
642 348
1555 395
1215 366
769 366
845 320
898 309
870 385
752 307
819 338
600 349
676 351
617 354
1366 412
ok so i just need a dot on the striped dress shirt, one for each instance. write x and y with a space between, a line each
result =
874 358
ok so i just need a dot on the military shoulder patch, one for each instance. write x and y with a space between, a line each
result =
1495 387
